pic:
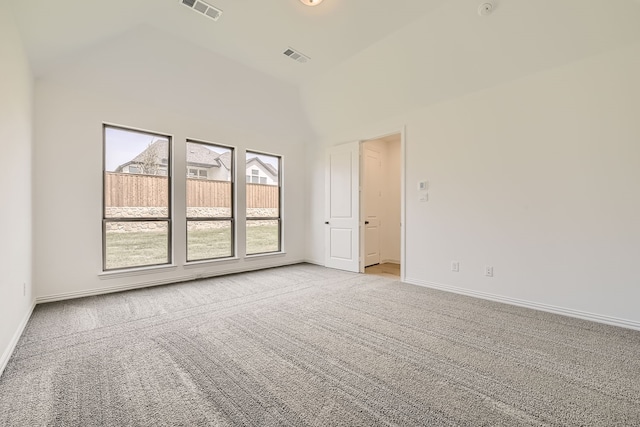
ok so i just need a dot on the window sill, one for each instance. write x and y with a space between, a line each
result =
114 274
204 262
268 254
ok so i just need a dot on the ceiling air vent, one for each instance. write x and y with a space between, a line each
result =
204 8
295 55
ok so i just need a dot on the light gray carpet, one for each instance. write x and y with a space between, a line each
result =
308 346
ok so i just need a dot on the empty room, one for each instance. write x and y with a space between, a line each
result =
320 213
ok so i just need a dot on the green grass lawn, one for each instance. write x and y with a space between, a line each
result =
207 244
150 248
136 249
262 238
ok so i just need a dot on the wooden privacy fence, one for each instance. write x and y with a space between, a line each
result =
202 193
129 190
262 196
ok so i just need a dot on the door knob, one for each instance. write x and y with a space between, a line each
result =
326 222
366 222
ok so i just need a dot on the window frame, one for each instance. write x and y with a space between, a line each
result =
279 217
232 210
169 218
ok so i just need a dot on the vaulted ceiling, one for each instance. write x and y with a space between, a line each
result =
253 32
370 58
256 32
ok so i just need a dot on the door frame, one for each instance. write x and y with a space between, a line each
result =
361 249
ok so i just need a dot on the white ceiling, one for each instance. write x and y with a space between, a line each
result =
253 32
373 58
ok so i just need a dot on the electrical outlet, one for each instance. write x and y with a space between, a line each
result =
455 266
488 271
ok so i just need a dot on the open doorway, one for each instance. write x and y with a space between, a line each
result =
381 206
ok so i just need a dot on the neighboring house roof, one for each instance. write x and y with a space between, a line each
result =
225 159
197 155
268 168
159 145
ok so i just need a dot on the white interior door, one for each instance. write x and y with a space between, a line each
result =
342 207
372 196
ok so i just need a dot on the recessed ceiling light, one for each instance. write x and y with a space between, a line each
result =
485 9
311 2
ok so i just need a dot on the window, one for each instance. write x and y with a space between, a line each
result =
263 203
136 222
210 224
197 173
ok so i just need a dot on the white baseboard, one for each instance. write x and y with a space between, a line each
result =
599 318
314 262
4 359
164 281
389 261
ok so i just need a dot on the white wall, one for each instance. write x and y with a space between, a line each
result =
537 177
15 185
390 252
151 81
390 197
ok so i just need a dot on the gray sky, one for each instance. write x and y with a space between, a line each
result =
124 145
